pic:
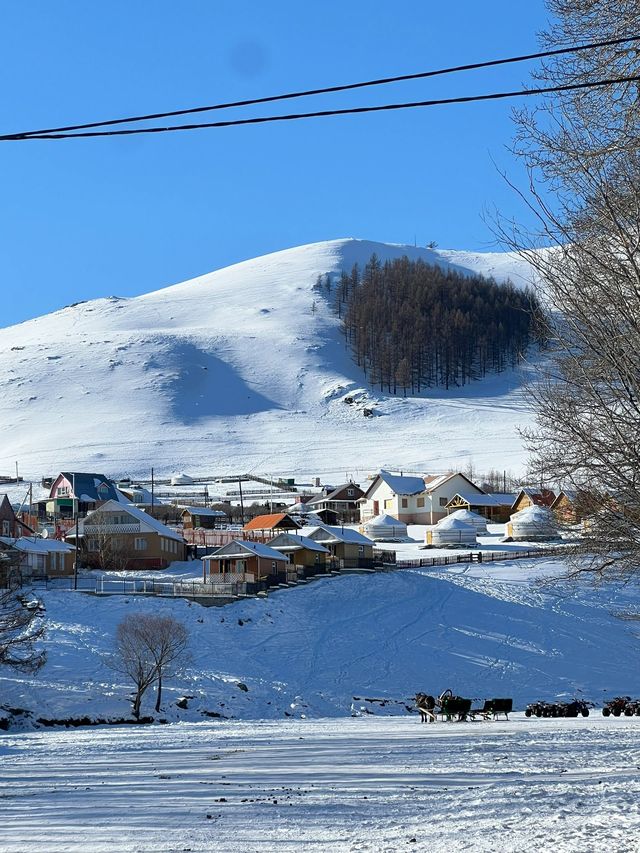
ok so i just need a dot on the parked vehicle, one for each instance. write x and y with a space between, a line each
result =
621 705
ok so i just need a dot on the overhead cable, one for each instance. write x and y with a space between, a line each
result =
325 113
383 81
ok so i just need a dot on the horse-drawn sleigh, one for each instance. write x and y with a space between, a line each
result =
450 707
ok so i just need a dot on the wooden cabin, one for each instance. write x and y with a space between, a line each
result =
348 548
308 557
202 517
277 522
532 497
247 562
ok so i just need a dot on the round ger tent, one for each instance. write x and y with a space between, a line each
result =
533 524
384 527
477 521
451 531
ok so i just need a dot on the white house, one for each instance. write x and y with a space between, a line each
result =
413 499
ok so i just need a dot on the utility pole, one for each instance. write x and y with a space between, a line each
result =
75 514
152 491
241 500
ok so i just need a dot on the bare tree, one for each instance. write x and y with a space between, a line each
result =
167 640
148 649
20 628
582 151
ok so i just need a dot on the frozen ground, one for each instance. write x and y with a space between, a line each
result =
366 784
507 629
243 369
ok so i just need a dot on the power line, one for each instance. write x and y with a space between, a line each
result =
324 113
383 81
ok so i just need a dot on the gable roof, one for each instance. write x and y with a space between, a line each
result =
333 495
268 522
36 545
139 514
399 483
325 533
539 497
85 486
204 511
476 499
294 542
256 548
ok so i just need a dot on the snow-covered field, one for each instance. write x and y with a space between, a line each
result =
242 369
366 784
507 629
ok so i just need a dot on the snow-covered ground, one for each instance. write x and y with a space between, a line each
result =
242 369
366 784
506 629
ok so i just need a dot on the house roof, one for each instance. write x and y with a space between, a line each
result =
333 495
204 511
268 522
294 542
85 486
36 545
401 484
339 534
139 514
476 498
256 548
540 497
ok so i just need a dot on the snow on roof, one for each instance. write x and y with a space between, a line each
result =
504 498
540 514
467 516
293 541
36 545
342 534
204 511
451 523
86 486
384 520
477 498
139 514
256 548
401 484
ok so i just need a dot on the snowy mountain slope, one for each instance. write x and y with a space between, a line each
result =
483 631
243 368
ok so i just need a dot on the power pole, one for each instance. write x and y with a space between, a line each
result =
152 491
241 500
75 514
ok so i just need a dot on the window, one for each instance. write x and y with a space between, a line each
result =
140 543
388 504
361 550
405 503
444 501
6 528
92 545
273 566
350 493
420 501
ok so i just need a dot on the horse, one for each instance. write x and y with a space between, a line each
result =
426 705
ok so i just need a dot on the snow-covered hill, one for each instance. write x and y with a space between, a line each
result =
482 630
240 369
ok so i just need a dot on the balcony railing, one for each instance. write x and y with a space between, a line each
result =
101 529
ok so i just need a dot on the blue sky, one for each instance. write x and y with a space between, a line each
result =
122 216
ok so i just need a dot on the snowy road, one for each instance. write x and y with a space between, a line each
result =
363 784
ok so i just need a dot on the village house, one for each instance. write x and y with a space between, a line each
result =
348 548
121 536
339 506
308 557
78 493
251 563
532 497
496 508
203 517
271 524
10 524
571 506
416 499
39 558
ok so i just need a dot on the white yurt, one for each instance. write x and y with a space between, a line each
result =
384 527
477 521
533 524
451 531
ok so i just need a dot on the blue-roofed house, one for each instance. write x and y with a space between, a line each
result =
78 492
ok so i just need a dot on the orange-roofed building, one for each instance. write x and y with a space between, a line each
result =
278 521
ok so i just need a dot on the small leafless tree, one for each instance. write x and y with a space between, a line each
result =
582 151
148 649
20 628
